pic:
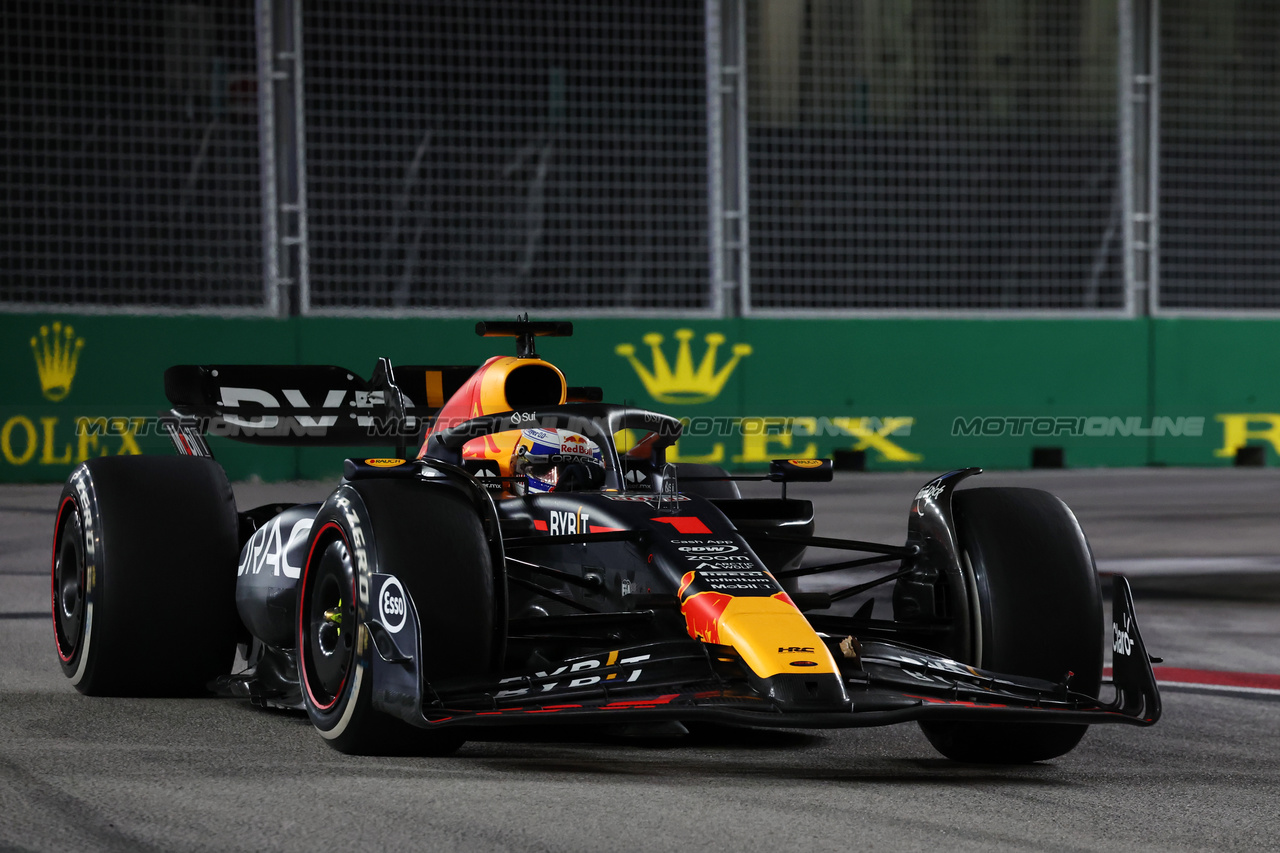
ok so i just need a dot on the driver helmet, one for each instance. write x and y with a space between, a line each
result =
541 454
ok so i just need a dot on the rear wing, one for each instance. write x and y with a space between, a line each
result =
290 405
307 405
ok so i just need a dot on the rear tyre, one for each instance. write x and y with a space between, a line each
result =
430 537
711 489
143 576
1034 589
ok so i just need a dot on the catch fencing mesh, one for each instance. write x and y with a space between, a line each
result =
1220 155
495 154
129 156
933 155
498 154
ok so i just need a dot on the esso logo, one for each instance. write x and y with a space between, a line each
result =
392 606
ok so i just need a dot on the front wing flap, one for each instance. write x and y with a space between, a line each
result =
689 680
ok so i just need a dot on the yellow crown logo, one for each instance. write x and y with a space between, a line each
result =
685 384
56 356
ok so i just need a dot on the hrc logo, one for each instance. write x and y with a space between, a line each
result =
56 357
684 384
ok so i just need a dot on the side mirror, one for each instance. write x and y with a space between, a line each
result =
800 470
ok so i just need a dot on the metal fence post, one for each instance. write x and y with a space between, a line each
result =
715 159
1139 150
302 255
727 156
283 177
1153 155
264 32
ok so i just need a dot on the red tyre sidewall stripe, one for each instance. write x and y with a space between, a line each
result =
53 578
302 634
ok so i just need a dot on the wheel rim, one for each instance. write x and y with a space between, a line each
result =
68 587
330 626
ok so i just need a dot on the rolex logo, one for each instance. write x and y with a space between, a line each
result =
56 352
685 384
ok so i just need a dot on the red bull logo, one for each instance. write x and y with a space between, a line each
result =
702 613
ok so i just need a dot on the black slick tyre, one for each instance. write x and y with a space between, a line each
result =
430 537
143 576
725 489
1034 592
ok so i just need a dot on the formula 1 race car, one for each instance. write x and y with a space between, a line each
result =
541 561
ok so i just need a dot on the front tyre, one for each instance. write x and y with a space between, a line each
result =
334 649
430 537
1037 610
328 603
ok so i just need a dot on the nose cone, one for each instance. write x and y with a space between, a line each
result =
786 660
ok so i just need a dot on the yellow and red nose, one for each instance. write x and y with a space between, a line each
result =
770 635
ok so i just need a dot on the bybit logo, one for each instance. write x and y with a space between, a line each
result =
56 356
685 384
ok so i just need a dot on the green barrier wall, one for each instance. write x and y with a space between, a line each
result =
108 371
1222 369
911 394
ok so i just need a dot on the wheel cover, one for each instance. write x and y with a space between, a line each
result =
68 584
328 623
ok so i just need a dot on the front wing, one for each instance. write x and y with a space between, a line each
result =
685 680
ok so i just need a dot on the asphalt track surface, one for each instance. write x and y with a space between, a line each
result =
1203 547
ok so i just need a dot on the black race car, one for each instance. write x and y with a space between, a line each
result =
526 569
